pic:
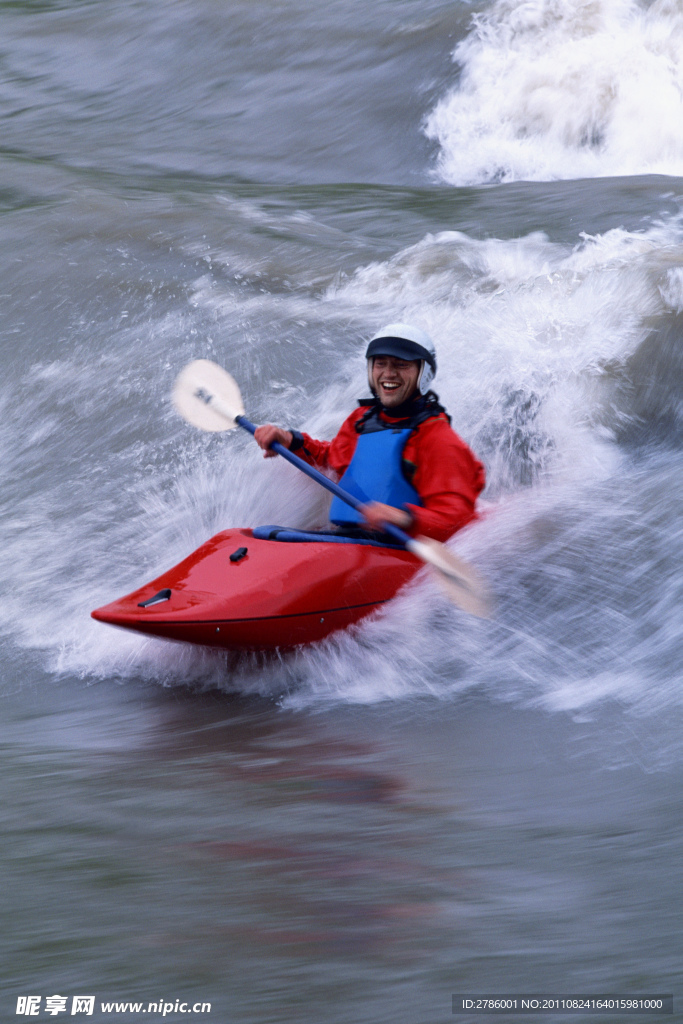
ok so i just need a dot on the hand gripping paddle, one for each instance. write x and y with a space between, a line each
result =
208 397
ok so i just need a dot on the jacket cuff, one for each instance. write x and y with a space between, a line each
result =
297 441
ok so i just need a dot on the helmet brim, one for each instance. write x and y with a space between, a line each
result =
399 348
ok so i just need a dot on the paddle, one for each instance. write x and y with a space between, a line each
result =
208 397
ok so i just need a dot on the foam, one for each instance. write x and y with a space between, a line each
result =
533 338
559 89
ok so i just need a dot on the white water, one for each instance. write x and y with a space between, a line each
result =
559 89
533 338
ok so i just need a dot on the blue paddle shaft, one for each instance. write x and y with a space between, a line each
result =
320 478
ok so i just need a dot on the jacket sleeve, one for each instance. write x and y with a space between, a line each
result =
315 453
448 478
336 454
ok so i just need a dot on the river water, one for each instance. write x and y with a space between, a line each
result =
427 804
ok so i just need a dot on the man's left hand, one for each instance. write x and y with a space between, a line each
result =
377 514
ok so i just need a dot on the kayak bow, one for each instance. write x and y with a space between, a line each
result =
246 593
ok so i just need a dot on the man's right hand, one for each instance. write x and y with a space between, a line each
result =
269 433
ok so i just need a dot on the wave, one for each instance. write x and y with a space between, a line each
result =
558 89
549 353
559 364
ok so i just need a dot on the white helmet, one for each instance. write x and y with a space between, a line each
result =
405 342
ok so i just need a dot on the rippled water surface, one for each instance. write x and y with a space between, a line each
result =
427 804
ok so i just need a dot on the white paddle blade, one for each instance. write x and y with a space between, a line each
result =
457 579
207 396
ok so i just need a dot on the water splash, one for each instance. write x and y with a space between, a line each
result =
544 352
557 89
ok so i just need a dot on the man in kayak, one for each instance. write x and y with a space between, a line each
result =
397 452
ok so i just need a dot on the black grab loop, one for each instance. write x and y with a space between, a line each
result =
238 555
163 595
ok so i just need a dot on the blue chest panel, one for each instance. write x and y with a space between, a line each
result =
375 473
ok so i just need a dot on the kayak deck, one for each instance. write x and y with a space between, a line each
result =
270 594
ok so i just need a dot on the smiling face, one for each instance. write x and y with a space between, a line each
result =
394 380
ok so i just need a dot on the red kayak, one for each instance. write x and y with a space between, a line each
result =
247 592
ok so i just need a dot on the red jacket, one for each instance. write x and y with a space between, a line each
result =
447 476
